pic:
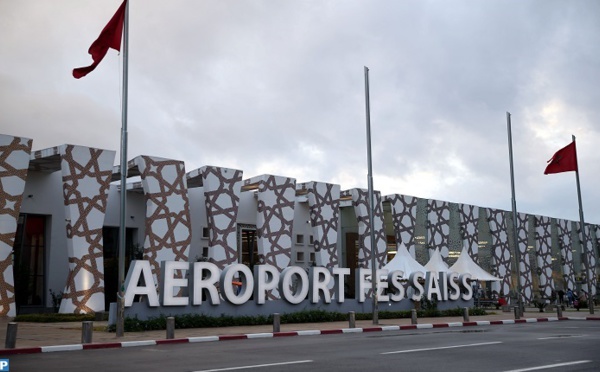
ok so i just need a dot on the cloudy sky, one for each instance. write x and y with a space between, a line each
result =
278 87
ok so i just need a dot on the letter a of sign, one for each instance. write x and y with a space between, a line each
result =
132 287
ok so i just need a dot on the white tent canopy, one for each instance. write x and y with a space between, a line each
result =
465 265
436 263
403 261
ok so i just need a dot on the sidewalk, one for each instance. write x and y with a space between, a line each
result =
45 337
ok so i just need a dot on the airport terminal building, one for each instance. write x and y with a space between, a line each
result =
60 213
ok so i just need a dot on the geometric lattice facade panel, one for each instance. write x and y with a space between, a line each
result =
565 242
438 215
526 279
168 227
591 259
501 256
86 174
360 202
222 187
544 255
469 225
324 207
595 237
275 216
14 161
404 215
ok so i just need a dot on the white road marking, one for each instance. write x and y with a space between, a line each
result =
442 347
550 366
255 366
555 337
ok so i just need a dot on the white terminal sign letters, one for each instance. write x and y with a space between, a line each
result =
237 283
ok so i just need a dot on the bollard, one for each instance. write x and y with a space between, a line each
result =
466 314
170 328
521 310
87 328
352 319
517 313
276 323
11 336
413 316
559 311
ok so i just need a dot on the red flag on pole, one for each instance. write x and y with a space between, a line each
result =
110 37
565 160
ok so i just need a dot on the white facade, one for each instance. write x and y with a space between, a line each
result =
60 216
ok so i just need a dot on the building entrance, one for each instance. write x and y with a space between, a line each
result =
248 245
29 263
351 262
110 240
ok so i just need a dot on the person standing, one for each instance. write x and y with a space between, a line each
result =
570 297
561 296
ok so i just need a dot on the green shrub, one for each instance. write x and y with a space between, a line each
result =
305 316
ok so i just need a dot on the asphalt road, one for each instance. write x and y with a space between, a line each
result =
552 346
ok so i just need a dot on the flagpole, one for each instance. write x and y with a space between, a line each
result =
584 247
122 222
514 215
374 278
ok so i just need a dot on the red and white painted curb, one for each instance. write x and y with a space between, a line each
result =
48 349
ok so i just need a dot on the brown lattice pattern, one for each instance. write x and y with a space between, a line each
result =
360 201
86 175
438 216
404 216
565 242
168 228
324 205
544 255
14 161
591 258
276 197
500 249
469 217
524 264
222 199
595 237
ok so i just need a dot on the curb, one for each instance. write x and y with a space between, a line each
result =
74 347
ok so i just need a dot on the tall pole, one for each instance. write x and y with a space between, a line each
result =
514 215
584 248
374 278
122 222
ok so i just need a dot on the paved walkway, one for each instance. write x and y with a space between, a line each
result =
45 337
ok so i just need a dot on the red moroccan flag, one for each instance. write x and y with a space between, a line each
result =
110 37
565 160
